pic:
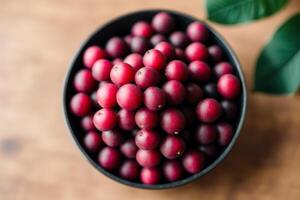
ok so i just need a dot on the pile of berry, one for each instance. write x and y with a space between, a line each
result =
159 104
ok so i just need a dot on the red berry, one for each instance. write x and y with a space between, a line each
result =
175 92
179 39
223 68
135 61
196 51
225 133
101 70
139 45
116 47
163 22
194 93
229 86
208 110
126 120
154 98
166 49
230 110
147 140
157 38
113 137
146 77
155 59
209 150
150 176
105 119
109 158
84 81
172 121
193 161
205 134
197 32
121 74
117 61
173 170
199 71
129 148
92 141
142 29
148 158
176 70
129 97
172 147
129 170
91 55
87 123
146 119
215 53
106 95
80 104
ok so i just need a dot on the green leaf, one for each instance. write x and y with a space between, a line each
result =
278 66
241 11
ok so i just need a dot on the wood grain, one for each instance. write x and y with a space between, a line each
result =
38 159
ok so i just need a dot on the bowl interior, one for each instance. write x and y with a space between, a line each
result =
120 27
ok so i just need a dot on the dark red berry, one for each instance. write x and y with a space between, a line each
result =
166 49
154 98
92 141
172 121
113 137
230 110
87 123
129 170
142 29
176 70
193 161
179 54
205 134
139 45
80 104
109 158
148 158
146 77
105 119
173 170
175 92
215 53
150 176
225 133
126 120
84 81
135 61
101 70
179 39
196 51
146 119
129 148
92 54
121 74
129 97
163 22
172 147
106 95
194 93
208 110
229 86
155 59
157 38
209 150
197 32
199 71
147 140
116 47
211 90
222 68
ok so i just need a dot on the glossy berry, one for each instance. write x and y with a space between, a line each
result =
92 54
222 68
154 98
129 148
134 60
147 140
173 170
208 110
229 86
92 141
172 147
84 81
146 119
80 104
113 137
193 161
105 119
101 70
106 95
129 170
172 121
155 59
109 158
150 176
196 51
126 120
175 92
229 110
157 38
199 71
194 93
148 158
139 45
142 29
176 70
179 39
116 47
205 134
197 32
163 22
146 77
211 90
215 53
210 150
129 97
87 123
166 49
121 74
225 133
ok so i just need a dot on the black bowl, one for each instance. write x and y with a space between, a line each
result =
121 26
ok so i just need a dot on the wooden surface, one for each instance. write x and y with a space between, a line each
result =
38 159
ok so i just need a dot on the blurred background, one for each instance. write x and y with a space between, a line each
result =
38 159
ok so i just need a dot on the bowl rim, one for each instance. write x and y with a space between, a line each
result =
191 178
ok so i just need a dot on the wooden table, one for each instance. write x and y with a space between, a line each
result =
38 159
